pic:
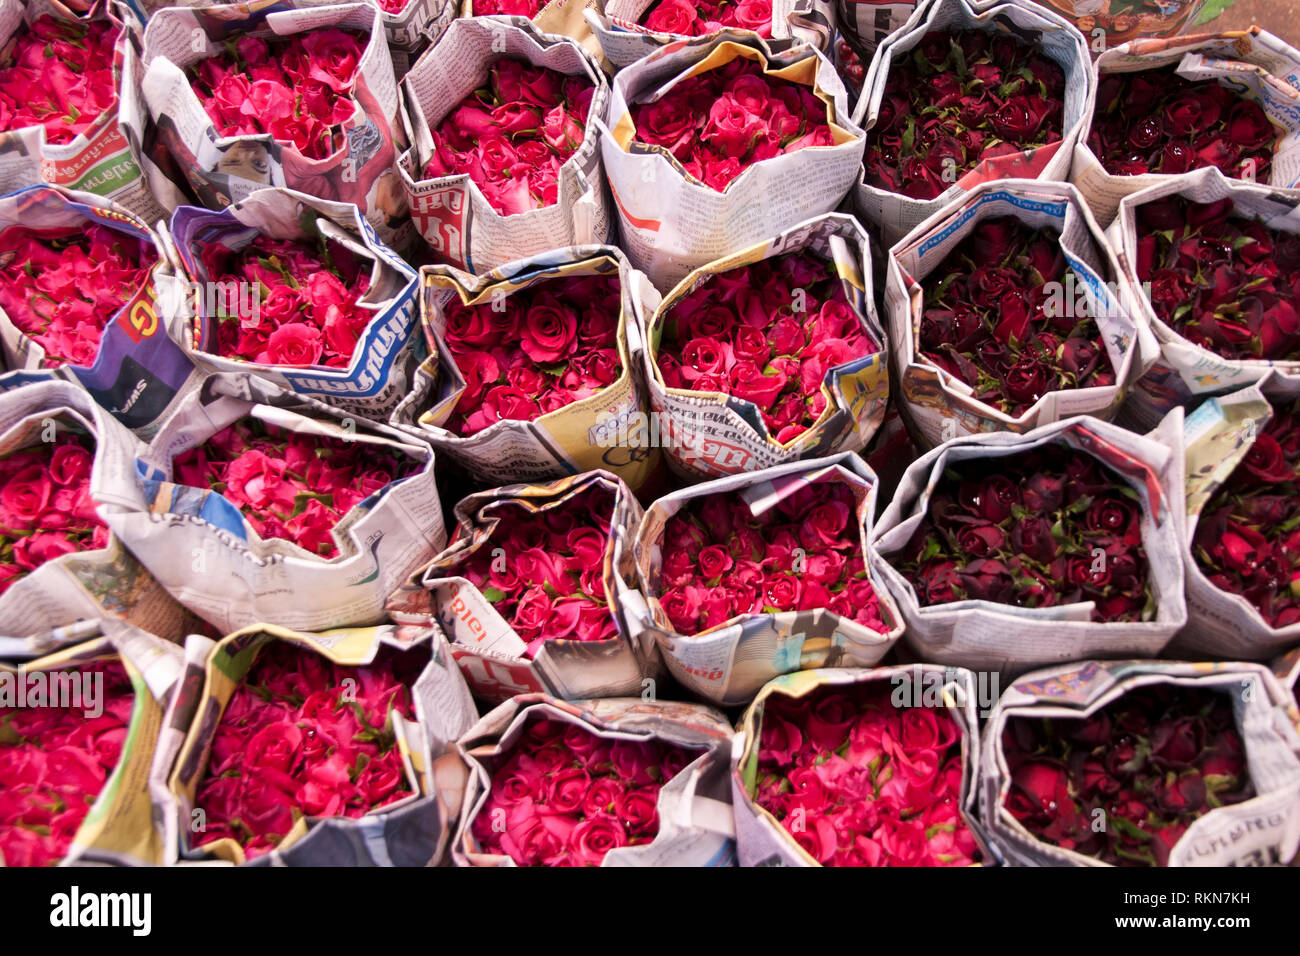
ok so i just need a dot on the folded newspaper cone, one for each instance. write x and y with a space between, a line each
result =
983 635
451 212
705 434
494 658
576 437
137 371
562 17
693 807
624 39
1218 437
387 350
1260 831
896 214
412 830
673 223
1253 63
937 405
98 160
121 827
177 138
865 24
728 662
60 601
207 555
762 839
1184 374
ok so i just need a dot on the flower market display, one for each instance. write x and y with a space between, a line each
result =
646 433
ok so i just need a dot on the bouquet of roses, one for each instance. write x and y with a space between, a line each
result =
553 783
75 726
552 344
280 281
310 106
593 795
1140 763
1210 101
46 510
738 563
784 332
293 738
718 123
60 569
1157 121
55 760
530 588
1000 305
989 537
698 134
860 768
286 511
989 321
722 562
1219 279
504 137
695 18
1211 263
291 485
300 737
512 135
1043 528
61 287
965 93
299 88
957 99
59 75
539 352
738 333
1150 764
1243 470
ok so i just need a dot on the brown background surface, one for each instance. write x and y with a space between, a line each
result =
1281 17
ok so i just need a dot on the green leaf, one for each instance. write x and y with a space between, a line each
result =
493 594
1211 10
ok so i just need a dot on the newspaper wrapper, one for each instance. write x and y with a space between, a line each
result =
181 150
563 17
409 32
706 434
137 371
576 438
1222 625
865 24
121 827
1254 63
624 41
760 839
695 822
208 557
411 831
488 650
1259 831
727 664
938 406
97 161
985 636
387 351
60 602
450 212
1185 374
671 222
896 214
1287 670
1110 22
